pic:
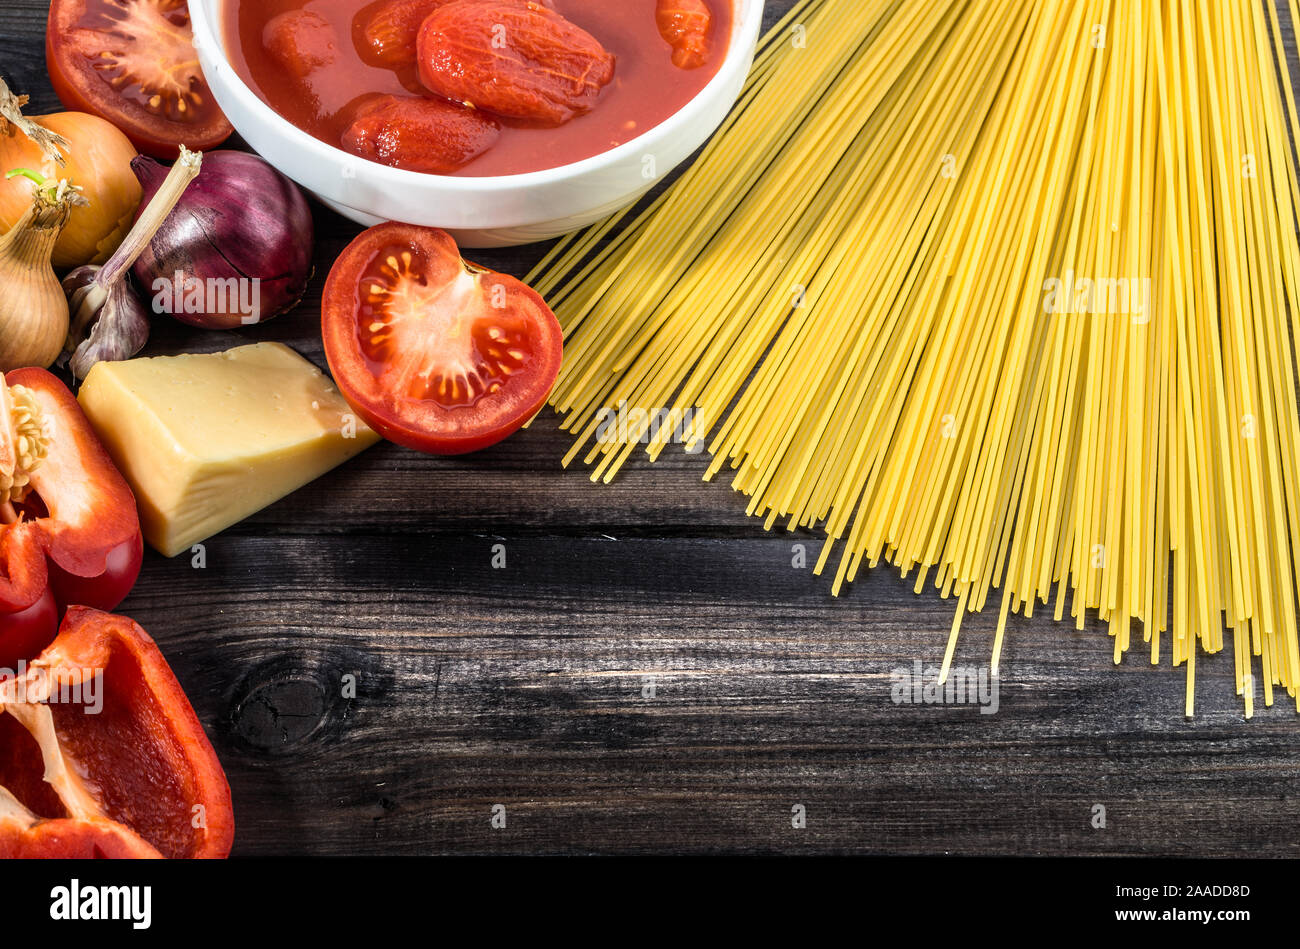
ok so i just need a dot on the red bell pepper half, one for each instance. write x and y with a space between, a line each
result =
25 836
101 753
69 531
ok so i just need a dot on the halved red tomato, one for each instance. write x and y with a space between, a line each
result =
433 352
133 63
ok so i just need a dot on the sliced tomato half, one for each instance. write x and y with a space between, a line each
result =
133 63
433 352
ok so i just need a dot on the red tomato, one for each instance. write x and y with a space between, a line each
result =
133 63
385 33
519 61
301 41
107 590
427 135
435 353
24 635
684 25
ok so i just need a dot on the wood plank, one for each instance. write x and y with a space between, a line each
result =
526 686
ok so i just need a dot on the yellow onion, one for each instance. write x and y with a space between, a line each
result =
34 314
97 159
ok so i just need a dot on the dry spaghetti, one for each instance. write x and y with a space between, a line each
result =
1001 292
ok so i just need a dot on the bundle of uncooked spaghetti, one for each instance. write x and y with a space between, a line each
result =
999 291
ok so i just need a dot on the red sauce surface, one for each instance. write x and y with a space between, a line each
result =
647 88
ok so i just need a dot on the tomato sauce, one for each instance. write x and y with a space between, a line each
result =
647 87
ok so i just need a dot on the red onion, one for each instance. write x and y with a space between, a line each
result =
236 250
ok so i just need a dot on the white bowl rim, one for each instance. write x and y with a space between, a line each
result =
747 20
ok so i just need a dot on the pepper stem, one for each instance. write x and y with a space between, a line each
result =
185 170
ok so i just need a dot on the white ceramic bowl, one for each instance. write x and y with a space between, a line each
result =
479 212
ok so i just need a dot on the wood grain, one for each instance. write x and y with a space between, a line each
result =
528 685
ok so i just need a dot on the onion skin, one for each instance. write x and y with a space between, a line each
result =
33 310
240 220
98 161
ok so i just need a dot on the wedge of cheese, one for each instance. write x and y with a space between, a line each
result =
205 441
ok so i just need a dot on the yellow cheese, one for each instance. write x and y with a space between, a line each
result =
205 441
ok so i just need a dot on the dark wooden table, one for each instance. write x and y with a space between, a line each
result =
529 686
